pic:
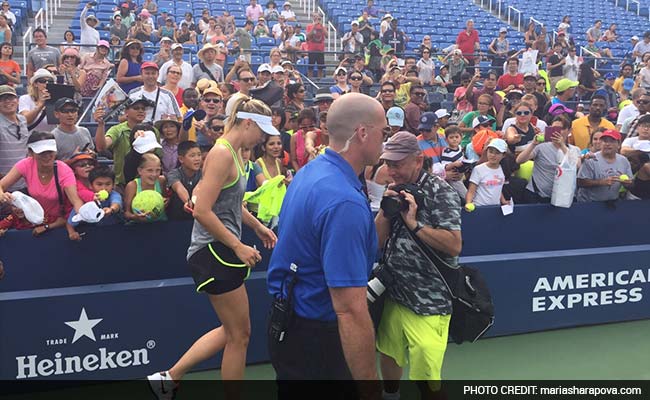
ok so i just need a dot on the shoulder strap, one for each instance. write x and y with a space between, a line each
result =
155 107
207 71
59 192
38 121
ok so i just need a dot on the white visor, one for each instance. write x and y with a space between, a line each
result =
263 121
42 145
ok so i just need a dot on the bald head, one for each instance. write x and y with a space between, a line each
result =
348 112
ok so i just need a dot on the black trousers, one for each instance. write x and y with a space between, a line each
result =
312 353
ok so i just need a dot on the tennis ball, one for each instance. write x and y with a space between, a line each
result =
102 195
539 138
148 201
469 207
624 177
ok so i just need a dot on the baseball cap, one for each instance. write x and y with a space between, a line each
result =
277 70
146 101
176 46
339 69
635 37
145 143
263 121
395 116
63 101
80 157
628 84
442 113
481 120
558 109
399 146
89 213
354 23
264 68
149 64
498 144
610 75
164 10
612 134
530 75
324 96
564 84
286 62
103 43
427 121
6 89
166 39
514 93
503 29
387 16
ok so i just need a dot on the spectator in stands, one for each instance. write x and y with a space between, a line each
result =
443 80
173 76
395 118
5 29
275 58
487 179
207 67
426 67
594 33
452 158
571 68
212 103
587 79
529 37
147 21
316 36
184 35
565 25
139 31
631 144
564 92
165 52
271 12
395 38
484 107
640 163
96 68
642 47
530 87
244 38
254 11
42 54
467 82
149 178
6 11
522 132
372 10
186 68
118 137
630 111
352 41
429 141
610 34
9 69
118 29
32 104
278 28
68 41
554 66
13 133
456 65
169 130
126 14
167 29
581 127
287 12
182 181
416 106
599 178
263 74
355 79
323 100
547 157
341 83
611 96
541 44
204 21
89 35
365 27
82 164
306 123
296 97
165 102
162 17
387 95
70 138
151 6
468 42
188 20
69 68
512 79
566 44
499 48
128 71
40 169
261 29
489 88
270 160
626 72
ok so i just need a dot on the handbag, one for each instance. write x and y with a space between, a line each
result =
473 309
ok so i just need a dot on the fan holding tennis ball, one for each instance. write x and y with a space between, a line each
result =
469 207
102 195
624 178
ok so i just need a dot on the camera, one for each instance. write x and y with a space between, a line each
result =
393 205
380 279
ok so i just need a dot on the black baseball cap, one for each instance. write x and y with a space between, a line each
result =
64 101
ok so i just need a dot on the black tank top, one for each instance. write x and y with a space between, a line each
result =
641 188
526 137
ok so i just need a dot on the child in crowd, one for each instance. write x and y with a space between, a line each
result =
143 140
16 220
101 181
488 178
82 164
183 180
149 178
452 160
170 132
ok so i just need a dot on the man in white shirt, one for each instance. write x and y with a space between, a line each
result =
287 12
279 27
89 35
177 58
165 105
6 11
631 110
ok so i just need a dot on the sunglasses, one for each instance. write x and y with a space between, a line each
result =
84 164
341 74
522 113
387 91
44 81
355 78
212 100
247 80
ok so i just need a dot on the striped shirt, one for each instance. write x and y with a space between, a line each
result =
432 149
166 106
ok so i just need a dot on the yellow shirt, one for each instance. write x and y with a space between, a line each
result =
402 95
581 130
618 84
191 134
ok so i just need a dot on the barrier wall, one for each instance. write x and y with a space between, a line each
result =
120 304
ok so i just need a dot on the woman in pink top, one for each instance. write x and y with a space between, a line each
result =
38 171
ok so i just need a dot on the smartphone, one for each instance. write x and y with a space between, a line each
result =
549 131
242 58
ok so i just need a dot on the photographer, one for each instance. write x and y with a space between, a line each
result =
416 315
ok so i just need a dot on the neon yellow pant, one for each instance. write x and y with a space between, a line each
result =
417 340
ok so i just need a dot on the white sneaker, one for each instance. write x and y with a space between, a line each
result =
162 385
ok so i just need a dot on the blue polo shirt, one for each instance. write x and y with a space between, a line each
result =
326 229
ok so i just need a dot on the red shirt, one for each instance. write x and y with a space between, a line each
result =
316 42
507 80
465 43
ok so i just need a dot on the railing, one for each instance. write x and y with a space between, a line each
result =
512 10
308 6
26 36
332 43
40 21
591 53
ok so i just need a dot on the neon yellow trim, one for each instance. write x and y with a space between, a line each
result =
198 289
214 253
